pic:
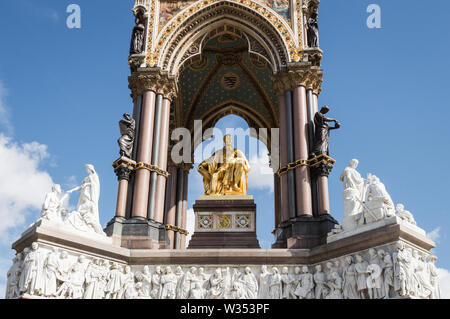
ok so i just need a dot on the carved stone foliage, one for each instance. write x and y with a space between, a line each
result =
301 74
152 80
390 271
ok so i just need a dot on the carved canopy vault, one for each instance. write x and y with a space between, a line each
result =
223 55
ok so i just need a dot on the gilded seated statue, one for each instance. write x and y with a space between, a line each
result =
225 173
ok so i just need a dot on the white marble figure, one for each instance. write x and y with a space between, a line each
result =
197 292
354 188
92 279
227 283
425 289
264 281
50 274
31 270
216 288
146 279
52 208
86 217
335 285
114 286
434 278
320 283
405 215
286 284
100 292
13 277
295 281
237 291
275 290
401 265
330 269
388 275
378 203
187 283
169 284
305 288
128 290
373 280
156 284
73 286
349 279
250 284
361 276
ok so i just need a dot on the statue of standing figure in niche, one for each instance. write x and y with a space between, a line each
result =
128 131
225 173
137 39
322 135
313 31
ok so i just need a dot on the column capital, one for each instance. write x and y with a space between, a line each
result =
299 74
123 168
321 165
152 79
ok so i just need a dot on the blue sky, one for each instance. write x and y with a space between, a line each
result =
62 92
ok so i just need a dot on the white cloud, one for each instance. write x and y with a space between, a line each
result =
444 282
434 234
261 175
23 184
190 225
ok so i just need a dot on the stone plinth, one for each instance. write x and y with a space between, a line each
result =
392 239
224 222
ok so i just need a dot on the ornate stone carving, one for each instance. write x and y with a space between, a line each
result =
367 201
373 273
299 74
152 80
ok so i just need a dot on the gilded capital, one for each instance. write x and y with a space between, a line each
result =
152 80
296 75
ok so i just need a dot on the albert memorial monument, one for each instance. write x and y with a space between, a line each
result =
200 60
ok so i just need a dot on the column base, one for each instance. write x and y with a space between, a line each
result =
304 232
138 233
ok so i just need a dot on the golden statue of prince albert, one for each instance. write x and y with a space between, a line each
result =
225 172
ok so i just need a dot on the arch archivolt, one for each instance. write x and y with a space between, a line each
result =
270 31
193 47
247 112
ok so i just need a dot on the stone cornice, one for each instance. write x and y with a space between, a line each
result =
152 79
299 74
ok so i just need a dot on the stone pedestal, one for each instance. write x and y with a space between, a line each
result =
224 222
138 233
304 232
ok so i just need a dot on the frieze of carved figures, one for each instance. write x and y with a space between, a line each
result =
367 201
390 271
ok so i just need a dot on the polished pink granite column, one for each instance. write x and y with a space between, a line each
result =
184 210
171 203
144 153
122 193
163 153
324 200
283 160
302 174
